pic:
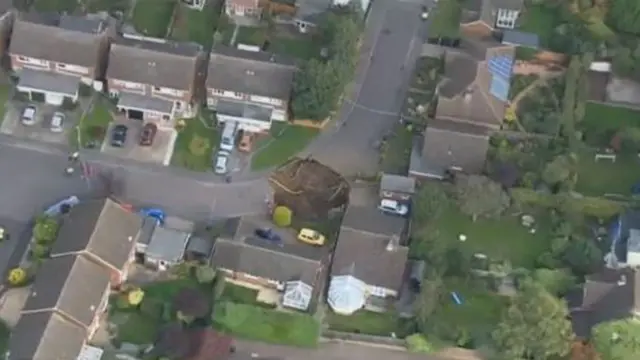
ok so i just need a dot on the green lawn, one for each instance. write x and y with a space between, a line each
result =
602 121
136 328
93 126
166 290
272 326
195 25
364 322
301 47
239 294
5 332
287 141
596 178
153 17
541 20
4 95
445 19
55 5
250 35
195 145
499 239
396 151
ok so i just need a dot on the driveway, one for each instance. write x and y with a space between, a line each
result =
386 62
11 125
159 152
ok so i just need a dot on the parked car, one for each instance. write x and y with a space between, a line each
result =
245 142
268 234
393 207
57 122
148 133
119 135
425 13
221 163
29 115
311 237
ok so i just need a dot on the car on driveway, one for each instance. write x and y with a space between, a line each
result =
393 207
221 163
28 115
57 122
311 237
268 234
119 135
148 133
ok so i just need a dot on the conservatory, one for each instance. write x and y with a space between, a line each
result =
297 295
346 294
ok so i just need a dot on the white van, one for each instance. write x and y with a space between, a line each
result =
228 137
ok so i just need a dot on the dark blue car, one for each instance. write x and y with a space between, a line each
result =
268 234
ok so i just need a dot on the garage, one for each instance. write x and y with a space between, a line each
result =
37 96
135 114
50 88
52 99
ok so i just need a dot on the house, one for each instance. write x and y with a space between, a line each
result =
194 4
45 335
104 232
494 14
369 261
199 248
243 8
397 187
52 54
252 88
142 77
471 104
624 239
166 248
286 266
605 296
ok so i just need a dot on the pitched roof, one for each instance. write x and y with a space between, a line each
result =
485 10
73 285
61 38
250 72
397 183
46 336
450 144
465 92
286 261
154 63
374 257
102 228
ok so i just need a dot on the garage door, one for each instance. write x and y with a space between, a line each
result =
53 99
37 96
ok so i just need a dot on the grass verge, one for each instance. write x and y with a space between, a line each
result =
195 145
286 141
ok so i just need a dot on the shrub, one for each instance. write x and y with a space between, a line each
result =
282 216
205 274
17 277
40 251
135 296
45 230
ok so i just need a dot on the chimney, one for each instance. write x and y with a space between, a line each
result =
393 243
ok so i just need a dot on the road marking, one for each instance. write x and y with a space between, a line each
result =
375 111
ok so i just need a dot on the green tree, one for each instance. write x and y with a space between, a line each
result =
428 298
559 170
45 230
282 216
429 203
205 274
624 16
555 281
617 340
135 296
535 326
480 196
17 277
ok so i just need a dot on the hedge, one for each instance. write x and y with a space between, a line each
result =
592 206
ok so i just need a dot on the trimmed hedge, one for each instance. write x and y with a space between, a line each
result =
592 206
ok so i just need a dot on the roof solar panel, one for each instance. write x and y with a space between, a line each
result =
501 66
499 88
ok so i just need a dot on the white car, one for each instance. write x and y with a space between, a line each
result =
28 115
425 15
57 122
221 163
393 207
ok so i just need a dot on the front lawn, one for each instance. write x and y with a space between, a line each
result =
92 128
272 326
251 35
153 17
396 150
195 144
286 141
195 25
67 6
602 121
503 239
597 178
364 322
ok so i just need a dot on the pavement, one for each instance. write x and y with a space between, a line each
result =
392 43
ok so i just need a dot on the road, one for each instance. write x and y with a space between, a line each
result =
391 45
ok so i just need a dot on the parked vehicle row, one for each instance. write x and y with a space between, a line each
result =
29 118
147 135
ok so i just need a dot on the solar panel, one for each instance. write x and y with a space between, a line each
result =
501 66
499 88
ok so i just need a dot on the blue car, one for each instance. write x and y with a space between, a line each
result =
268 234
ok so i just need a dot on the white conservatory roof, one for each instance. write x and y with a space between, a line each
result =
346 294
297 295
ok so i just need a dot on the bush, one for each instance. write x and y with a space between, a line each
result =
17 277
282 216
598 207
40 251
45 230
418 343
135 296
205 274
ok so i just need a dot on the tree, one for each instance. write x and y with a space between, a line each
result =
282 216
45 230
205 274
480 196
135 296
559 170
430 201
17 277
617 340
218 287
624 16
534 326
190 303
555 281
428 298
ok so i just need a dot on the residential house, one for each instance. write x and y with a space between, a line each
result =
52 54
104 232
7 16
243 8
166 248
471 103
142 76
494 14
195 4
46 335
397 187
624 239
252 88
286 266
606 296
199 248
369 261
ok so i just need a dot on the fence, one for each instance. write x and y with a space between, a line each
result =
312 124
363 338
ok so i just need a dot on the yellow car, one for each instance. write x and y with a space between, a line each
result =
311 237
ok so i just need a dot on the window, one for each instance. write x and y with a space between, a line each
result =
178 105
378 291
218 92
156 88
238 94
165 117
